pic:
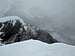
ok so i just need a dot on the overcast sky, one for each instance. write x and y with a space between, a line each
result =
56 16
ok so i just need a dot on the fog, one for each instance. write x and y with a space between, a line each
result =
55 16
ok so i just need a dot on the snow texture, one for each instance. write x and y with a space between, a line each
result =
12 18
37 48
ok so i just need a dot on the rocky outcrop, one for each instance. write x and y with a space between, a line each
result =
17 31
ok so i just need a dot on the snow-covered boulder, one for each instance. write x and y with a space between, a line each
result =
10 26
14 29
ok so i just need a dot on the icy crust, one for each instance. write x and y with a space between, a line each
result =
37 48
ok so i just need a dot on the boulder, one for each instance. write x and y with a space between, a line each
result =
15 30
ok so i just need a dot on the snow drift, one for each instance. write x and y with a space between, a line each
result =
37 48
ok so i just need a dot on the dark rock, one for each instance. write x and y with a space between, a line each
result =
19 32
9 29
44 36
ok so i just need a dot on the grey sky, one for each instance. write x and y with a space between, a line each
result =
56 16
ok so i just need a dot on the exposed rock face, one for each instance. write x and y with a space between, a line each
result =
44 36
18 31
9 29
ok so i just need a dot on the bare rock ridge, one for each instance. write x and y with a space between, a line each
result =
13 29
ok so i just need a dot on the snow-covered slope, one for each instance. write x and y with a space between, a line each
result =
37 48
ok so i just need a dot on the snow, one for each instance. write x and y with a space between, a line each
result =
13 18
37 48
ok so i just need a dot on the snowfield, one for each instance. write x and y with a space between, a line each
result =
37 48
